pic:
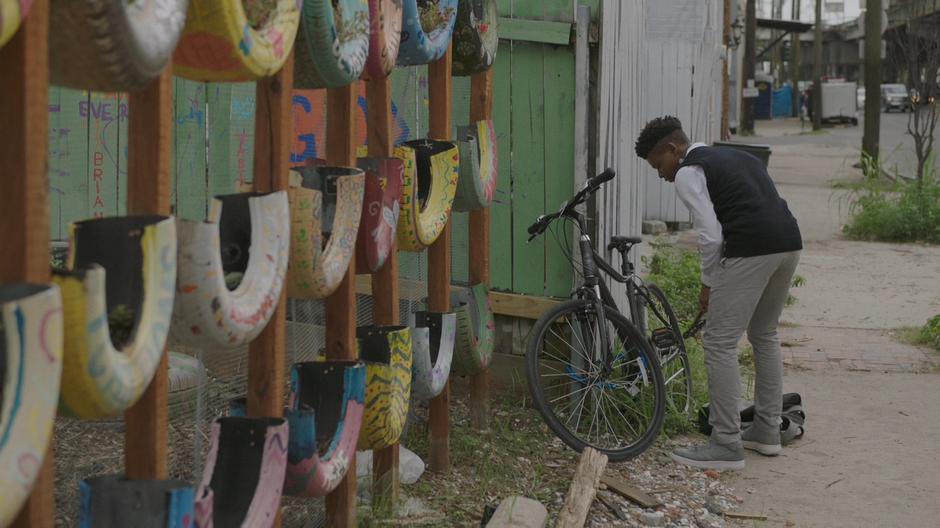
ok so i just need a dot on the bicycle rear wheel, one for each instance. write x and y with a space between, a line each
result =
615 406
661 326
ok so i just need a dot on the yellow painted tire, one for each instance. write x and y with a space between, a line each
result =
479 166
32 319
219 43
112 45
386 351
428 190
207 314
317 269
12 13
128 261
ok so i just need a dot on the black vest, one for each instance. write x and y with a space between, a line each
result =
754 219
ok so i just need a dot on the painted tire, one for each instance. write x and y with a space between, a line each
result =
332 44
479 166
432 340
12 13
255 232
123 261
185 374
112 45
111 501
219 43
244 473
32 361
428 189
325 408
384 38
326 205
476 331
422 44
386 351
475 37
382 203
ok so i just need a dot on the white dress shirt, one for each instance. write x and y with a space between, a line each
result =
693 191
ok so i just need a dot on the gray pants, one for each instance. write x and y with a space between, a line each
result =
749 293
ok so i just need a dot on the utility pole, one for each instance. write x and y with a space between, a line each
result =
872 78
750 31
725 78
795 60
817 68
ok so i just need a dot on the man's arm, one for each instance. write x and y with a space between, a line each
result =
693 191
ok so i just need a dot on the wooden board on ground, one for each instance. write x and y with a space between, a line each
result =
629 492
583 489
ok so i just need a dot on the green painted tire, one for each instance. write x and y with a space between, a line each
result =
332 43
112 45
475 37
476 331
478 166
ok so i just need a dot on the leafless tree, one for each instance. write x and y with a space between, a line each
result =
918 44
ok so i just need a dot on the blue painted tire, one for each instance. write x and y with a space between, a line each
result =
420 44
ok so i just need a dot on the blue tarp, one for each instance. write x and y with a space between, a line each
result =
783 101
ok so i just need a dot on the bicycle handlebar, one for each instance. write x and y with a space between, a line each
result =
590 187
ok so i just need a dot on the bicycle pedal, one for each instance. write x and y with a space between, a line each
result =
663 338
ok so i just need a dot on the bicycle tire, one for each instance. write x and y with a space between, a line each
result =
681 376
649 363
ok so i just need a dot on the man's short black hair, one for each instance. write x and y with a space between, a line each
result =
655 131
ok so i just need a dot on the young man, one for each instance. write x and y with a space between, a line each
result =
750 244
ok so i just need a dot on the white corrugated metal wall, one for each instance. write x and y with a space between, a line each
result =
656 57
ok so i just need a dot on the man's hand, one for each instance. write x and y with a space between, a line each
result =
703 298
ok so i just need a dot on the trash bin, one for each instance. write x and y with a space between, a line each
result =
762 152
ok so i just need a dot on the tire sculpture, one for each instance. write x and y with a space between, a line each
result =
432 341
30 370
325 415
111 501
112 45
12 14
327 205
428 189
118 301
247 236
185 374
380 211
479 166
475 37
332 43
386 351
236 40
427 26
244 473
476 331
385 18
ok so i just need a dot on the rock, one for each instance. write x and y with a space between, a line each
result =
519 512
413 507
713 506
654 227
410 466
656 518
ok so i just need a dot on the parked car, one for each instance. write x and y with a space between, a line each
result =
860 97
895 96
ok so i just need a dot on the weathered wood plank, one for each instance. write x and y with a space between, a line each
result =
523 30
190 190
149 174
501 209
24 204
521 306
583 488
629 492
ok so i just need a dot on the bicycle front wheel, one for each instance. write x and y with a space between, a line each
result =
612 397
660 324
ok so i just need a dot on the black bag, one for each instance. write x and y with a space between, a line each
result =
791 419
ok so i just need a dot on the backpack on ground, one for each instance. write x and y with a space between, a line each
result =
792 418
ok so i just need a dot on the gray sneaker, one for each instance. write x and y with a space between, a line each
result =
760 440
710 456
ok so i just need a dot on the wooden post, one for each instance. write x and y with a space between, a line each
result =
150 118
746 123
795 53
385 310
24 202
341 305
439 93
273 129
817 68
725 131
583 489
872 131
481 108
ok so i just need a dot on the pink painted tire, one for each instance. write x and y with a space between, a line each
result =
385 18
380 210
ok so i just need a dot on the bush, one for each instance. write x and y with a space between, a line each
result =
930 333
902 212
678 273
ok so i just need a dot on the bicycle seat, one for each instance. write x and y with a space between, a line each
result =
623 243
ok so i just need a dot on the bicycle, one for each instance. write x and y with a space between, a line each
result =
651 312
592 374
